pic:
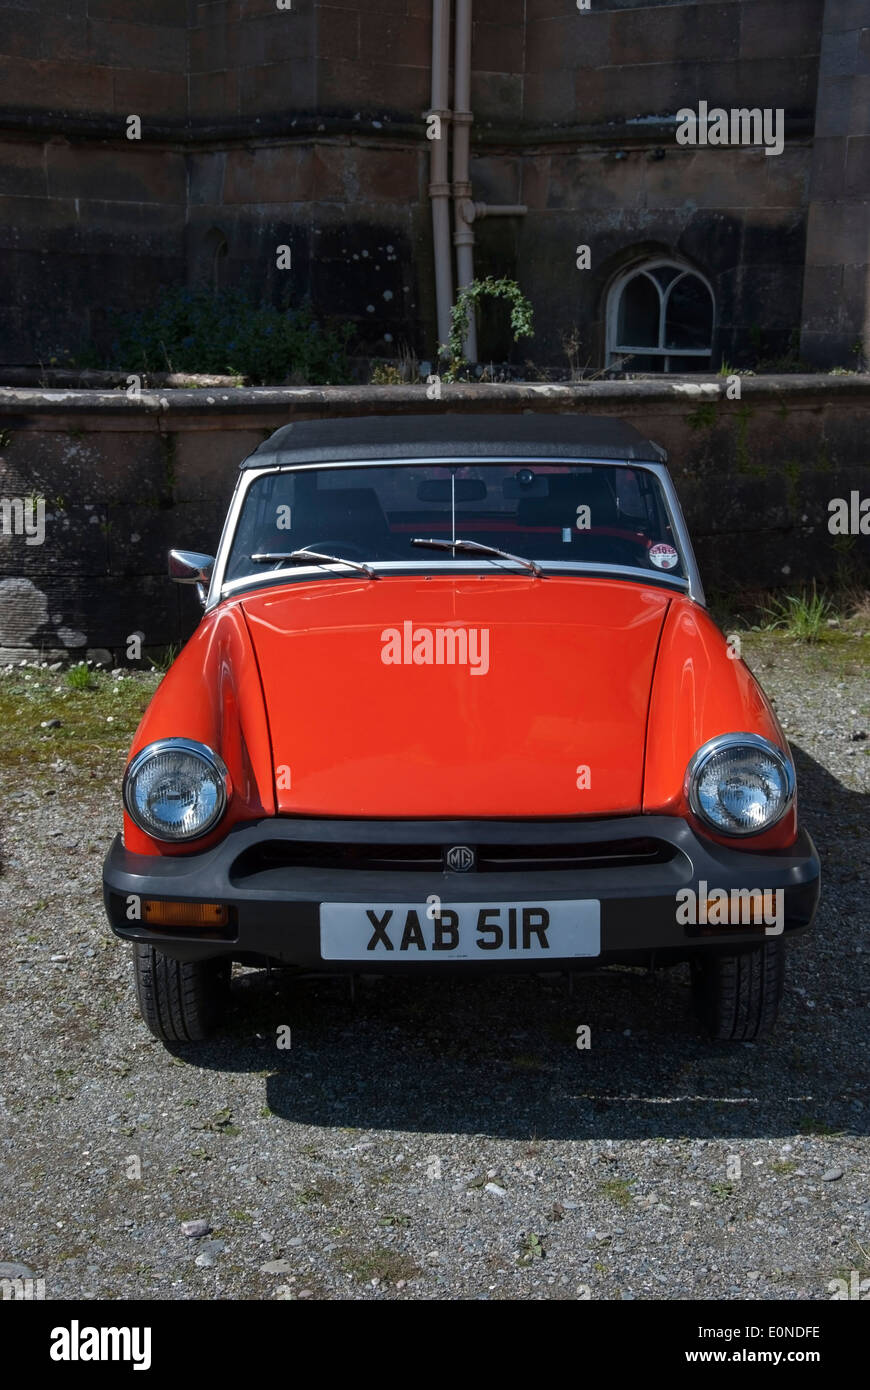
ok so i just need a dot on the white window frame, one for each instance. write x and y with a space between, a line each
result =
617 351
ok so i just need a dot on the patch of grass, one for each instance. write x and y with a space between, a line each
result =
803 616
386 1265
616 1190
80 677
843 648
722 1191
164 657
323 1193
96 724
783 1166
837 653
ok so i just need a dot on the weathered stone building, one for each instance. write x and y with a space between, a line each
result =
302 123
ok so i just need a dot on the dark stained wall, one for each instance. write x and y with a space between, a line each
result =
305 127
837 286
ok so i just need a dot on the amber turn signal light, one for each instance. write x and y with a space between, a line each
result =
753 911
160 913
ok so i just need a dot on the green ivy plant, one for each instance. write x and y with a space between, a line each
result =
466 303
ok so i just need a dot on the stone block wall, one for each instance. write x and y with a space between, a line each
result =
305 127
124 481
837 281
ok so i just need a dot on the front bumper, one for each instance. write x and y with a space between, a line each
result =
273 874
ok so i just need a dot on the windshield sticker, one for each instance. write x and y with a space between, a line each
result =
664 557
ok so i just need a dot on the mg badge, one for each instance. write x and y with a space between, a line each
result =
460 859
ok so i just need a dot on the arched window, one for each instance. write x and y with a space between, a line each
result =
660 319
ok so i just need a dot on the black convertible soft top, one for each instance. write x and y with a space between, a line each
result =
372 437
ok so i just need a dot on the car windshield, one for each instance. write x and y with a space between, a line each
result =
584 514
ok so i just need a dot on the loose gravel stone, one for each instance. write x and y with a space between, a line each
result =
208 1253
194 1229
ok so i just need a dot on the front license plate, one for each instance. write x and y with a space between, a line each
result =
459 931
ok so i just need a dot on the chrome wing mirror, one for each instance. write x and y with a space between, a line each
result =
192 567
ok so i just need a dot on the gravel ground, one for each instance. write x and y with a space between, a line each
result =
432 1139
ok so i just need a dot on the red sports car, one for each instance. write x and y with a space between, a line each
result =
456 703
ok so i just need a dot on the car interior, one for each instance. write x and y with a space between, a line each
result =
594 514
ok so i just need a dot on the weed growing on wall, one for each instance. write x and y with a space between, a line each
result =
228 332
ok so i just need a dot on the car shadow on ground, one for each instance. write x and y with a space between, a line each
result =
499 1055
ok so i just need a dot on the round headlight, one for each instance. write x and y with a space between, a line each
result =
176 789
740 784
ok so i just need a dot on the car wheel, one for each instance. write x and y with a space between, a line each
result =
736 997
180 1000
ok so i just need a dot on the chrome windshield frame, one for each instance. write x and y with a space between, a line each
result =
690 584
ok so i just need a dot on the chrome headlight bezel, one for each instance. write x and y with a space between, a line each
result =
738 740
205 755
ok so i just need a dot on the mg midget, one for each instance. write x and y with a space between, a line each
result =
456 703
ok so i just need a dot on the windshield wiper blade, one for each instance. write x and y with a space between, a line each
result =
299 557
480 549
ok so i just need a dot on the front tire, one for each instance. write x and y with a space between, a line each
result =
736 997
180 1000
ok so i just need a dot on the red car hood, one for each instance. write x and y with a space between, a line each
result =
369 716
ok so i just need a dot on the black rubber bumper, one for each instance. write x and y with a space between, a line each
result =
274 907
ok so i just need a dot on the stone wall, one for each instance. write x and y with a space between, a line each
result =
90 58
87 218
305 127
125 480
837 285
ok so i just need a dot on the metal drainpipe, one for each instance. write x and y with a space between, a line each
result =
463 235
465 210
439 186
